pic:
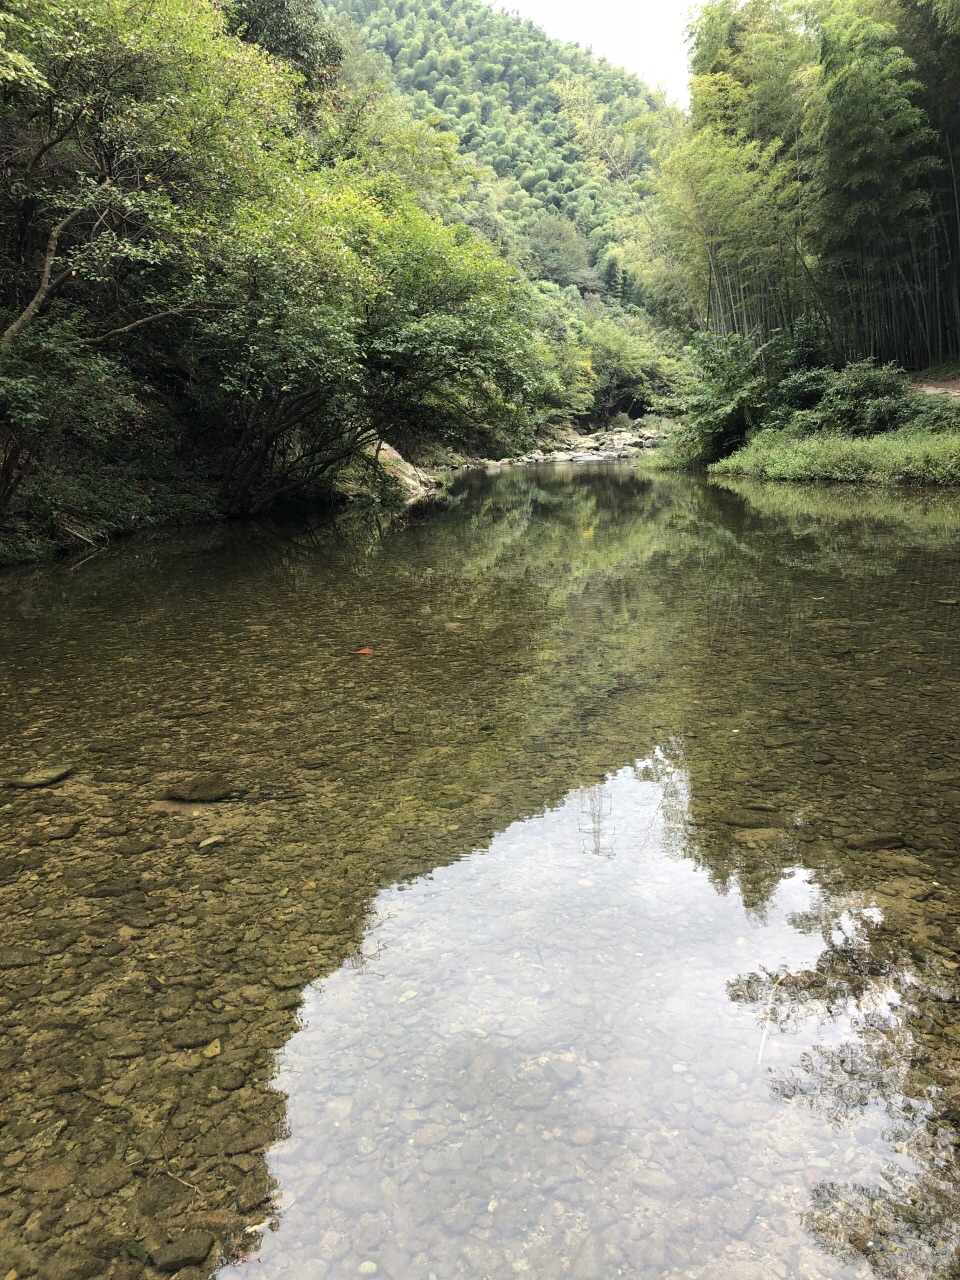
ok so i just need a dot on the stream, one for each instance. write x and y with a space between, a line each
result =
566 884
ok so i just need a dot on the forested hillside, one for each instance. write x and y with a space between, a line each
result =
558 200
234 258
492 80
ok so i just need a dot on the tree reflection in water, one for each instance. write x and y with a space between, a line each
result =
905 1224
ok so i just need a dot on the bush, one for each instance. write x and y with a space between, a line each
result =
861 399
785 391
730 398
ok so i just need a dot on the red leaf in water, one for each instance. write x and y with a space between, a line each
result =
362 653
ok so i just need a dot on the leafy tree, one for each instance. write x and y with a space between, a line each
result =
224 274
292 30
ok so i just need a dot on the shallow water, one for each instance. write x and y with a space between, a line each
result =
603 922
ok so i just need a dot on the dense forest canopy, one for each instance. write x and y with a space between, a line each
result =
491 79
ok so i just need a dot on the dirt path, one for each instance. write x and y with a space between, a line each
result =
950 387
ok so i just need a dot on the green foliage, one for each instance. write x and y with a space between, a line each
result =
746 391
730 397
561 253
291 30
487 77
906 456
218 264
861 399
817 177
503 88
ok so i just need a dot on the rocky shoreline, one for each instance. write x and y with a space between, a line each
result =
571 446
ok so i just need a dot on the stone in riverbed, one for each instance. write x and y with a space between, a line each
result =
747 818
882 840
194 1033
203 788
42 777
738 1217
108 1178
74 1263
133 848
231 1078
64 830
188 1250
55 1175
18 957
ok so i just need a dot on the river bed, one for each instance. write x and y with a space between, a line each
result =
602 921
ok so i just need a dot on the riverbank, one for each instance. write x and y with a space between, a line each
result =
78 517
64 523
906 457
569 445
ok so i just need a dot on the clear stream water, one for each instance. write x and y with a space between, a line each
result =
602 922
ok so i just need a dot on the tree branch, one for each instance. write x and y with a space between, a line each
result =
43 292
128 328
53 142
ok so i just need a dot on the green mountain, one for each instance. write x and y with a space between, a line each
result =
491 79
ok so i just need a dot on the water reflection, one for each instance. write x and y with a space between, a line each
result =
564 1066
771 901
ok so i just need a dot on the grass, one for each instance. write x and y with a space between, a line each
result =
907 457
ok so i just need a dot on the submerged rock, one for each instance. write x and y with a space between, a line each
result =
882 840
18 957
42 777
188 1250
202 788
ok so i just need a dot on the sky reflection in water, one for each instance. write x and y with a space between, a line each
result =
535 1066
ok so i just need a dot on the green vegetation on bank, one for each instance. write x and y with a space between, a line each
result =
776 411
907 457
806 216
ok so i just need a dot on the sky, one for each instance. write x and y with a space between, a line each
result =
645 36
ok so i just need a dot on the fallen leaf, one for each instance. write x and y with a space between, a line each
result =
362 653
407 995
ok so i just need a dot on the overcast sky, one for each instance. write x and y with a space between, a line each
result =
646 36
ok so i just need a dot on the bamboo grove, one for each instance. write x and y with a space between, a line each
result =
818 176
